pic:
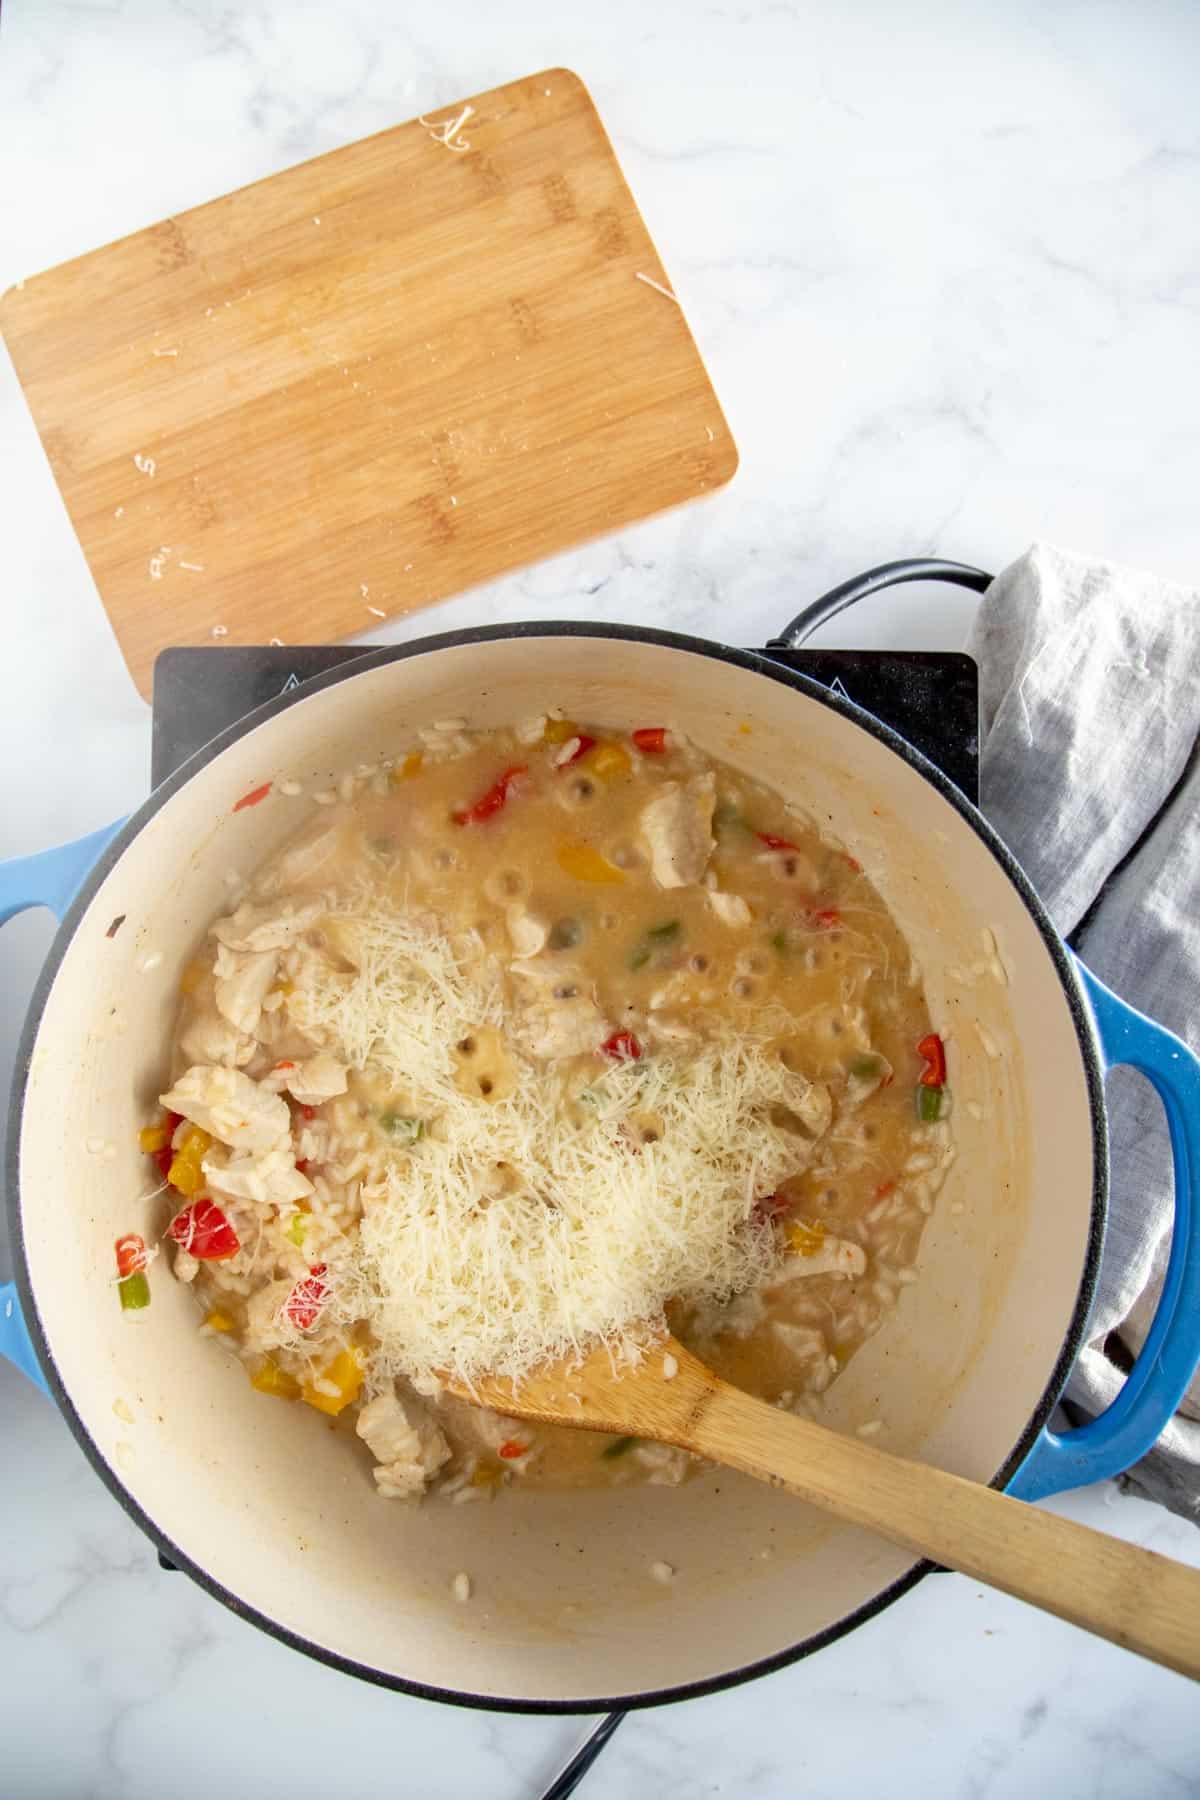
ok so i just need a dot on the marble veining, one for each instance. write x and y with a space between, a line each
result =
944 267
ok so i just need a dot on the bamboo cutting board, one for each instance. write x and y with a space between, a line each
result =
369 382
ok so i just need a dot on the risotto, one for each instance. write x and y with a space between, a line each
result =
530 1037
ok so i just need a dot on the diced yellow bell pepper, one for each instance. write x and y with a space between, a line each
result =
219 1321
185 1174
586 864
152 1138
608 760
269 1378
286 988
192 976
296 1230
804 1239
405 770
559 731
345 1373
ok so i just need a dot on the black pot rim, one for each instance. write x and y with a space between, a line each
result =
756 663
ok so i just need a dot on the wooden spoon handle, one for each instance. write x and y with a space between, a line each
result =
1134 1597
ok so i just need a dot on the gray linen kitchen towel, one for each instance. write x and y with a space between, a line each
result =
1090 701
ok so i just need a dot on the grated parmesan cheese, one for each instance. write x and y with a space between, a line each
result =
590 1236
446 131
656 285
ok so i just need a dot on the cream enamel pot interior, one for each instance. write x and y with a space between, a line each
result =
275 1513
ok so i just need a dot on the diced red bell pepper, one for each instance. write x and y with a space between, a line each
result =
622 1046
303 1305
204 1232
884 1189
131 1254
774 843
932 1052
828 918
651 740
583 744
308 1112
494 801
254 796
163 1157
511 1448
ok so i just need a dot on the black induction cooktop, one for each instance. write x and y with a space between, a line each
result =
930 697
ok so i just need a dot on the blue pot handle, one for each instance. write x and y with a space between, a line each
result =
1159 1378
49 878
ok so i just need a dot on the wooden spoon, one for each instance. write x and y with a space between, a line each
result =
1131 1596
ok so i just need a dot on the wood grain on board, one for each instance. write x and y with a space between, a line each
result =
367 383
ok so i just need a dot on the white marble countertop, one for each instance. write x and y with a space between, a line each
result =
942 264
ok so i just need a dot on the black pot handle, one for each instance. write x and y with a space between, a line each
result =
914 568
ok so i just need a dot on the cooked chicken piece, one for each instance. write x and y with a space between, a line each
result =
211 1039
836 1256
558 1021
531 731
318 1078
527 933
868 1073
565 1027
811 1103
269 927
231 1107
731 909
806 1120
676 827
241 985
266 1326
271 1179
315 976
544 973
405 1442
303 858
